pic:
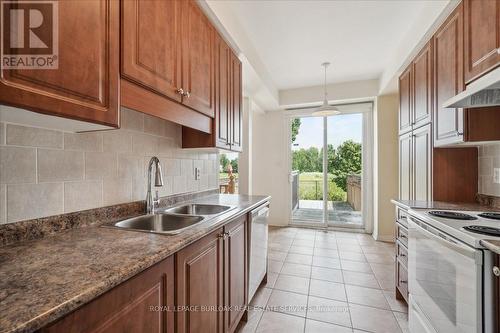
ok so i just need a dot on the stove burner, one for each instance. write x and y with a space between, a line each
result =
494 216
452 215
482 229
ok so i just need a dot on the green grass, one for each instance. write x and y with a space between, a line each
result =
311 187
225 175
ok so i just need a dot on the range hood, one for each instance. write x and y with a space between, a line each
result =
483 92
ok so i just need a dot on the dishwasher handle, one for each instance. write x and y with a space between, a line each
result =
264 211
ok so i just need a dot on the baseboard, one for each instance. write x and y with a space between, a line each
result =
384 238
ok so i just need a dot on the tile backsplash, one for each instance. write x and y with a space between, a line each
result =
489 159
47 172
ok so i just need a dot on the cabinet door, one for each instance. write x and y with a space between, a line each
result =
199 284
482 37
405 100
405 147
236 104
151 48
448 76
236 283
422 165
422 87
133 306
222 80
85 86
198 60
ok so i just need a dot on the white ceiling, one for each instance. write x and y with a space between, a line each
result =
359 38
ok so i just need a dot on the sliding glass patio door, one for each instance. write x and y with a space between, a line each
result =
327 170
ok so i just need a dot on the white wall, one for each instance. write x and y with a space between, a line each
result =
385 166
269 163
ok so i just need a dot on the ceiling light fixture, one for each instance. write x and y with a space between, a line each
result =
326 109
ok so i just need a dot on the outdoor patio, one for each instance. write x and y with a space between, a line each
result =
339 212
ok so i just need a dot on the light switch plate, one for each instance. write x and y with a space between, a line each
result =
197 174
496 175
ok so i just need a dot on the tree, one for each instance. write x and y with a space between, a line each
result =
234 165
224 161
346 160
307 160
295 128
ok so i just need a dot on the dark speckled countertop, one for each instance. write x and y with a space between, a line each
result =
43 280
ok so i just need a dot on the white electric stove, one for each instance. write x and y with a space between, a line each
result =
449 272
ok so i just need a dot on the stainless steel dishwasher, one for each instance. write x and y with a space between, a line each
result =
258 234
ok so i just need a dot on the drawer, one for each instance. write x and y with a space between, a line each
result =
402 279
402 216
402 253
402 234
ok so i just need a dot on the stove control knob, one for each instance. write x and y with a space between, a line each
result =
496 271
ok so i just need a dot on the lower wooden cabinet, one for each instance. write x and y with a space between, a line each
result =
235 272
137 305
211 281
199 285
401 279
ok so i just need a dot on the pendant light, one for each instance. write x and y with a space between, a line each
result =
326 109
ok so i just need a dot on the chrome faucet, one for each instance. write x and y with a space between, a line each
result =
150 202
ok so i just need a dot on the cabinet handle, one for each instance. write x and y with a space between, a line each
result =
402 255
403 236
459 133
403 281
223 235
186 94
180 91
496 271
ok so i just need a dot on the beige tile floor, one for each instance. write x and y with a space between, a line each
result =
327 281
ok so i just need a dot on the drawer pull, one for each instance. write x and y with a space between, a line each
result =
403 236
403 282
402 255
496 271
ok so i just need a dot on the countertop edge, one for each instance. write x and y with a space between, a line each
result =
88 295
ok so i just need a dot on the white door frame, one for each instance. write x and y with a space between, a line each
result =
367 167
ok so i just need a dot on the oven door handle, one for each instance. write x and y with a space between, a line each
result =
444 240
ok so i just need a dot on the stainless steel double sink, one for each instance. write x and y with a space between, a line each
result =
171 221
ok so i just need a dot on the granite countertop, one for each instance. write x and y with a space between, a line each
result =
492 245
415 204
43 280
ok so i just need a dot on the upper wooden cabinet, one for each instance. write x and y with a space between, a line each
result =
222 97
168 54
128 307
405 100
405 166
198 59
448 79
422 163
151 45
481 37
236 104
422 86
85 86
228 122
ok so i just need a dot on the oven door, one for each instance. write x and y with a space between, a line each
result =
444 279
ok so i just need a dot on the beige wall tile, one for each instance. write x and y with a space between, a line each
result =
2 133
171 167
187 168
59 165
118 141
83 141
489 158
485 166
28 201
172 129
132 120
139 185
129 166
34 137
179 184
144 144
117 191
3 210
100 166
82 195
165 147
17 165
154 125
